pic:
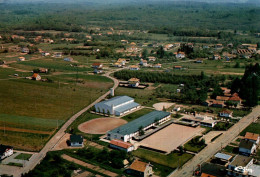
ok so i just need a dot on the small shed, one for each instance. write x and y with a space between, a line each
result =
223 157
76 141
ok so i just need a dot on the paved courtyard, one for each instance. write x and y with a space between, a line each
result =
170 137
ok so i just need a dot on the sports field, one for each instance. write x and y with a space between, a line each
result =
101 125
170 137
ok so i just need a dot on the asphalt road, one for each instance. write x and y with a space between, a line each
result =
218 144
36 159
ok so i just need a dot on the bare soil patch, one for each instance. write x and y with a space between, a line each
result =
160 106
25 130
170 137
100 125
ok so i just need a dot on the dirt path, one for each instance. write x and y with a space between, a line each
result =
90 166
25 130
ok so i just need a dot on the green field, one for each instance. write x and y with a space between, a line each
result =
172 160
145 97
253 128
30 123
31 110
137 114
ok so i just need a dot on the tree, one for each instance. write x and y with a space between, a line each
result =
217 92
160 52
141 131
2 62
144 53
181 149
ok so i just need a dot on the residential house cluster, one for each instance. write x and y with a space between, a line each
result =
227 99
242 164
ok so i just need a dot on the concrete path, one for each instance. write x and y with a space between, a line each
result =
217 145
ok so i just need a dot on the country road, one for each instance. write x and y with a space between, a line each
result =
36 159
218 144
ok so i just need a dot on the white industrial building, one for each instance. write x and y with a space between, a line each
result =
118 106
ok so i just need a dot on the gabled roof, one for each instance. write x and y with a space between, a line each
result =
138 166
96 64
116 100
143 121
76 138
222 98
134 66
35 75
235 97
134 80
226 111
121 144
251 136
246 144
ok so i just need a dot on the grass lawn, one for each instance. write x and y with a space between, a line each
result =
172 160
15 164
253 128
145 97
231 149
193 147
137 114
23 156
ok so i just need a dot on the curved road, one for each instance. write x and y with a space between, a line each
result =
36 159
218 144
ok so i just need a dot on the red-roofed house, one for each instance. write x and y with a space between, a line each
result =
225 113
177 67
121 145
139 168
252 137
235 99
36 77
97 65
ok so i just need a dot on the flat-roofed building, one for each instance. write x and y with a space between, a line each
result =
131 129
239 166
118 106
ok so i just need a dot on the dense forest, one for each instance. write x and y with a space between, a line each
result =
166 17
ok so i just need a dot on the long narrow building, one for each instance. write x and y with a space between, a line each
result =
131 129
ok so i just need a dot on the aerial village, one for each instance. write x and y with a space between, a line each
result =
147 125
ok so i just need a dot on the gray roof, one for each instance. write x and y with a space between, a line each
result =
76 138
246 144
241 160
126 107
116 100
223 156
143 121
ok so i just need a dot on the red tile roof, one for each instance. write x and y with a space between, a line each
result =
96 64
251 136
121 144
207 175
138 166
226 111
